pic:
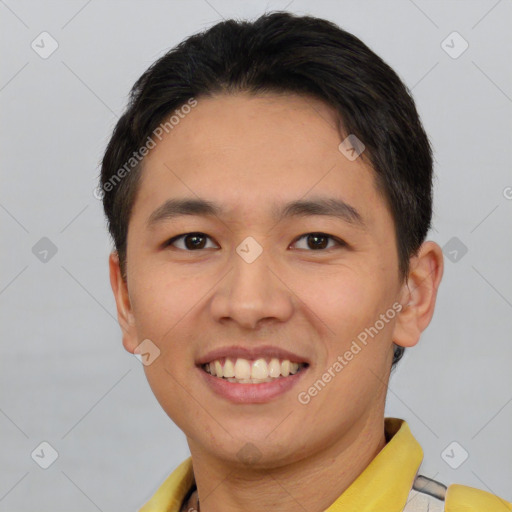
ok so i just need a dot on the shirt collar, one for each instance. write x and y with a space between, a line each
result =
384 484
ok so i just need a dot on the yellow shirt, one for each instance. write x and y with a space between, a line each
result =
385 485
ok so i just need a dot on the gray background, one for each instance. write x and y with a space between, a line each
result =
66 378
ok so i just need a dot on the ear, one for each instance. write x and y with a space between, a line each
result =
124 309
418 296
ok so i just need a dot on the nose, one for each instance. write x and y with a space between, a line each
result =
253 292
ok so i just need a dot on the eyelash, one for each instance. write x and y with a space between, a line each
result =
338 241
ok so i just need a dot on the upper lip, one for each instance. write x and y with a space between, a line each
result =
264 351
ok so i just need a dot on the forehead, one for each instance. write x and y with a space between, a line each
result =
248 151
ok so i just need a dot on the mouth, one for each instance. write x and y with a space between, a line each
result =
256 371
244 375
259 380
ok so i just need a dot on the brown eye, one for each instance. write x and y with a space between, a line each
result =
192 241
319 241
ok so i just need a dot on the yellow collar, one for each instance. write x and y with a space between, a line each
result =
384 484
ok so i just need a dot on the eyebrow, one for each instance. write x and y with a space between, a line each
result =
326 206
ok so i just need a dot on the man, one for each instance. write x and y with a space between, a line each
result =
269 192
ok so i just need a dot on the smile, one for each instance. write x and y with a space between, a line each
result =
247 371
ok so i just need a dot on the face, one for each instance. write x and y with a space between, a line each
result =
251 283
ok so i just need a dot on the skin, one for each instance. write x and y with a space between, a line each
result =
314 302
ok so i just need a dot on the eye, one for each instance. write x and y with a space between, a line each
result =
318 240
196 241
192 241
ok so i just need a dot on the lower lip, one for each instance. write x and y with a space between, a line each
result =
251 393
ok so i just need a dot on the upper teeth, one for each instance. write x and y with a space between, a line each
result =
248 369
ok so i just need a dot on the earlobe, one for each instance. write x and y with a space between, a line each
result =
419 294
123 304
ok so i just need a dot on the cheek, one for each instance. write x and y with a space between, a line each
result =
165 307
345 299
160 302
351 304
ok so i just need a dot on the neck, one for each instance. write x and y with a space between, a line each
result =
229 487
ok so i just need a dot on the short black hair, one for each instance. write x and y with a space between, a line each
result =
283 53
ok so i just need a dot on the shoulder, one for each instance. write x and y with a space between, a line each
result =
460 498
